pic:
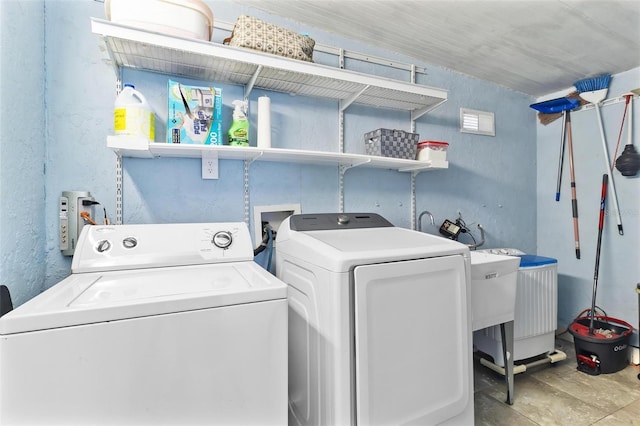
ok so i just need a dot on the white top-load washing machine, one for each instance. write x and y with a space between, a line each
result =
379 323
157 324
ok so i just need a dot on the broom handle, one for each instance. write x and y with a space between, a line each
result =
608 163
574 199
561 156
603 198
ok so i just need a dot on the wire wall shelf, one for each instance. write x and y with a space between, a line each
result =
127 147
140 49
135 48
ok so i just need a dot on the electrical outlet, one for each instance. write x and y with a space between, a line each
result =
71 222
273 215
209 165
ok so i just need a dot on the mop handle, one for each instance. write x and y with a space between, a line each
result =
608 162
561 156
574 198
603 199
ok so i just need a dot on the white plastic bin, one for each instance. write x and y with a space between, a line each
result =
536 312
181 18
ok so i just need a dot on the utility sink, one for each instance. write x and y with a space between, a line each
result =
493 288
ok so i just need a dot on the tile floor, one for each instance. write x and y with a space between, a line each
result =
558 394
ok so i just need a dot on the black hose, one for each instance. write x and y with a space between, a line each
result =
6 304
265 240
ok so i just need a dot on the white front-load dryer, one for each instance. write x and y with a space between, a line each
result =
379 323
157 324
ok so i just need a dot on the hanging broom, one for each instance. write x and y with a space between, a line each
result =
594 90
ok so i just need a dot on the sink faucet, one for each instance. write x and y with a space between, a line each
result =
476 245
433 222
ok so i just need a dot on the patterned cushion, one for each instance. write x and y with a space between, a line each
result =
256 34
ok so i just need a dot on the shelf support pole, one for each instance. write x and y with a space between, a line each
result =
119 191
118 188
341 129
413 173
341 109
249 87
341 171
413 199
246 191
413 80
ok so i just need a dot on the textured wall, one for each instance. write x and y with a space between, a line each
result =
491 180
80 95
619 267
22 148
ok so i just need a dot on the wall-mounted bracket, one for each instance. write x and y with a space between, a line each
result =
345 103
256 157
342 170
417 113
252 82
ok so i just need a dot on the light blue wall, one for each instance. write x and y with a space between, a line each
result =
491 180
22 148
619 266
80 92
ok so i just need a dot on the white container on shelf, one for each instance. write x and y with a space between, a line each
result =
432 151
133 116
181 18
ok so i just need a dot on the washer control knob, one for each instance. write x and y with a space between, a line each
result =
129 242
103 245
343 219
222 239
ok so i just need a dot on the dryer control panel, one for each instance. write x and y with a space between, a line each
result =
332 221
120 247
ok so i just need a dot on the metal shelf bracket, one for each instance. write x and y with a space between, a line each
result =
252 82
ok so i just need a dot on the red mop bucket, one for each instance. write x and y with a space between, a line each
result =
606 349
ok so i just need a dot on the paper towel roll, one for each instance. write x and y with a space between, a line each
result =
264 122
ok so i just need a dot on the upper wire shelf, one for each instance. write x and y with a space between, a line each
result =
145 50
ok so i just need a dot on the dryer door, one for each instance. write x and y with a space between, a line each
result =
412 333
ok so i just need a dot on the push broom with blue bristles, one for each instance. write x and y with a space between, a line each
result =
594 90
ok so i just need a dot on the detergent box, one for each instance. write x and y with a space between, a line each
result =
195 115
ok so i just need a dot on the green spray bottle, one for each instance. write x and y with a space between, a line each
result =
239 130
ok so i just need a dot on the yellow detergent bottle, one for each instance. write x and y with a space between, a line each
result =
239 130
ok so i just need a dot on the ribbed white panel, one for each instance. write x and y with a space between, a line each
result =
536 301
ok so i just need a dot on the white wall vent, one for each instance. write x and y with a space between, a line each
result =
477 122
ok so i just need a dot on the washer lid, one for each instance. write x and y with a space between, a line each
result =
342 249
97 297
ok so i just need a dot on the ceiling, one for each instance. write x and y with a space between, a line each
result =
536 47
